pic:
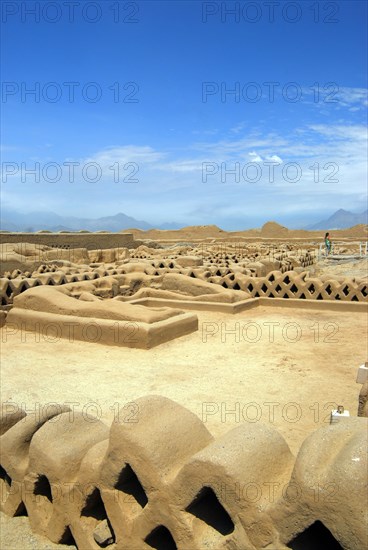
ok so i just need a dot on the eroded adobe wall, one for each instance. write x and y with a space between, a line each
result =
90 241
156 478
274 285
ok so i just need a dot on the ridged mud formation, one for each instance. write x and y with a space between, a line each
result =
156 478
274 285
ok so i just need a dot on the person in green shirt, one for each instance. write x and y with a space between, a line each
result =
328 243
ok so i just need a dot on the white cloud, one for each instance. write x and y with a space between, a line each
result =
332 160
255 157
347 96
238 128
274 158
126 153
190 165
331 95
341 131
8 148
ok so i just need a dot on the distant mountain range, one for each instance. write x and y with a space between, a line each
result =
341 219
37 221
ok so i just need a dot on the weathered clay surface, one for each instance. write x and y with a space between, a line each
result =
158 479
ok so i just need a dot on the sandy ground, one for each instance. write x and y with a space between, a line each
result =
341 268
305 357
15 534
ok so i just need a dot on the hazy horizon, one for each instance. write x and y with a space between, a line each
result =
47 219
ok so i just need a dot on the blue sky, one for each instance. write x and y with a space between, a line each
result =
184 112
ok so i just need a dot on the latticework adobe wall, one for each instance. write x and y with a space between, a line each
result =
158 479
276 284
296 285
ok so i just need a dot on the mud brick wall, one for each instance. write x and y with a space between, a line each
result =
91 241
274 285
295 285
156 478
